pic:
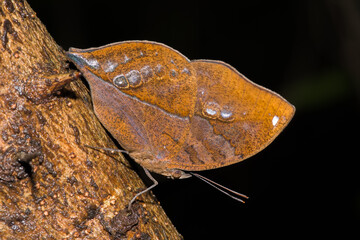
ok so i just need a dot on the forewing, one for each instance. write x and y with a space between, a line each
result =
144 93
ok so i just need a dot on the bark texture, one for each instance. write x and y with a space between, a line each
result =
51 186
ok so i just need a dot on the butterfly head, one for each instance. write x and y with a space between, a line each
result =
177 174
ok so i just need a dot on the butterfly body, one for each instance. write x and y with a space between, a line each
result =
173 114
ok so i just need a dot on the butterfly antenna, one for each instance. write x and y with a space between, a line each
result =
221 188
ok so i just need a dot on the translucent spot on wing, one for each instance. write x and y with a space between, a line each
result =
146 73
126 59
120 81
91 62
210 111
173 73
159 70
134 78
186 71
226 114
110 66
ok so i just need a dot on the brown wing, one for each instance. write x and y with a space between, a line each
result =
144 93
234 118
151 72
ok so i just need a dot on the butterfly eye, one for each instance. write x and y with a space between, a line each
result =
176 174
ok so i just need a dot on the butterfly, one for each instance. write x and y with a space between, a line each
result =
174 115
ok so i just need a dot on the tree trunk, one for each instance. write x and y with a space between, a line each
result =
51 186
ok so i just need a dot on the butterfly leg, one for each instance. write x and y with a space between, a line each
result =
111 150
155 183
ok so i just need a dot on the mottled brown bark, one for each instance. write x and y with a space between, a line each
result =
51 186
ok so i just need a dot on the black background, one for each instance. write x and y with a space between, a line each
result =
306 182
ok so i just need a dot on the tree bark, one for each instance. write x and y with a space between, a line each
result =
51 186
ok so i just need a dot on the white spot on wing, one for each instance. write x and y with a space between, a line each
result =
110 66
226 114
210 111
126 59
186 71
91 62
275 120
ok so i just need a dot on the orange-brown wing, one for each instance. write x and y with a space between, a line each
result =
234 118
144 93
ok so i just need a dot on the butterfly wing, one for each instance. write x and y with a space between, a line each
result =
176 114
144 93
234 118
